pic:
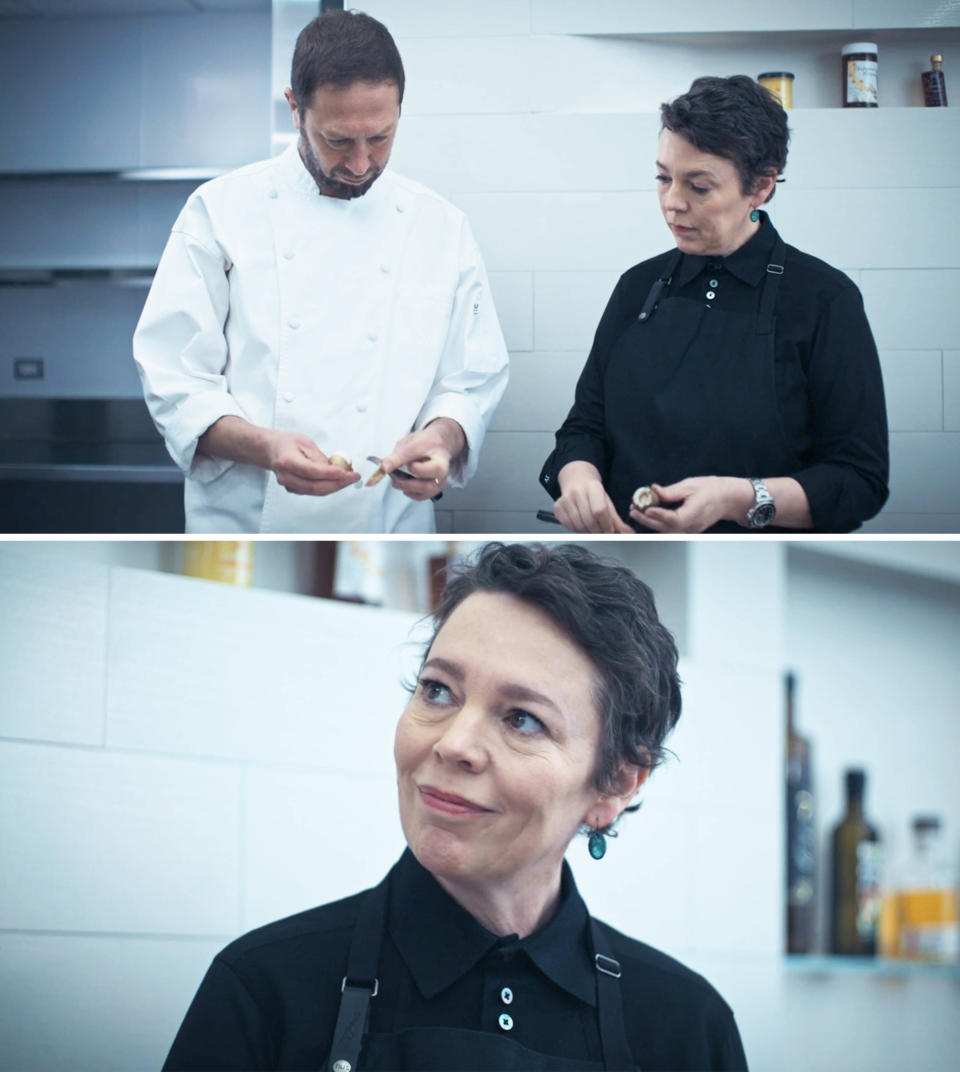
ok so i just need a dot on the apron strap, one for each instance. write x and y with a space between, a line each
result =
613 1033
770 286
659 286
360 984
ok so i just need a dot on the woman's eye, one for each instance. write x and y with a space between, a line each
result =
524 723
700 189
434 692
662 178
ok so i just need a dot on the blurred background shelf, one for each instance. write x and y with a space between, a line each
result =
869 966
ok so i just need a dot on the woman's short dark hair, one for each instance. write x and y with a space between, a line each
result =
735 118
611 616
340 48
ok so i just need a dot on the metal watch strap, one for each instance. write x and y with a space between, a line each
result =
761 497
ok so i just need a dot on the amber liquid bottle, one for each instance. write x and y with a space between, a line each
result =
800 834
856 877
934 86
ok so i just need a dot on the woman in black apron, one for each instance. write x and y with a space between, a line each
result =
735 375
540 708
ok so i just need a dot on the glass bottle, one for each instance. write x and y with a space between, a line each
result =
800 834
934 86
926 902
857 865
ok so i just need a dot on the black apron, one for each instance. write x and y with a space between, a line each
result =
444 1049
695 386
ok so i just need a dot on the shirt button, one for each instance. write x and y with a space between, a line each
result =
288 255
506 1021
293 324
361 407
385 268
714 283
271 193
711 295
506 995
289 396
401 208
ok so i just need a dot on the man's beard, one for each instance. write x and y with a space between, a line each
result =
329 186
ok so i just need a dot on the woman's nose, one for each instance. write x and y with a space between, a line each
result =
672 201
462 741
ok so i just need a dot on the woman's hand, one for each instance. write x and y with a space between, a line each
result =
704 500
583 505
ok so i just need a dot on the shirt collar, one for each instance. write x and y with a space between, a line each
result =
440 941
748 263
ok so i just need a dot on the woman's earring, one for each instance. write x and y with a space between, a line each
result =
597 844
754 216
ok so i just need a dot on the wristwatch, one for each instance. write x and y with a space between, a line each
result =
764 509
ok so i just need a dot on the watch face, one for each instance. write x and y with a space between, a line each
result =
763 514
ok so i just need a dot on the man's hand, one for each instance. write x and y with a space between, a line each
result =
302 468
584 505
704 500
426 454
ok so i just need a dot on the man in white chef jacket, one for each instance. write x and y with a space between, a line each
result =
317 303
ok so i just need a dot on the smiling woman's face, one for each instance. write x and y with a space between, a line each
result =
496 750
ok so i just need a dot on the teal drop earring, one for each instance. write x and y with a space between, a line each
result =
754 216
597 844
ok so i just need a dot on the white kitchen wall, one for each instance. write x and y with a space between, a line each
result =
179 763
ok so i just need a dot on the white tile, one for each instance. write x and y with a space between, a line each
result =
841 226
568 307
629 17
902 522
834 148
512 294
913 384
911 310
897 14
53 621
951 390
500 522
575 232
349 823
507 477
115 842
255 675
95 1004
924 468
197 66
440 18
540 392
459 154
453 77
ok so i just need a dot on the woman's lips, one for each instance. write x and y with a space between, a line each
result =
449 803
677 229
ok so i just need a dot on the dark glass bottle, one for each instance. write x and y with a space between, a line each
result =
934 86
800 834
856 877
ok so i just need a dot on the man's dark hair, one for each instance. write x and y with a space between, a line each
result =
610 615
735 118
340 48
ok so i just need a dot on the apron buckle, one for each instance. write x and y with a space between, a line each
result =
361 986
775 269
607 965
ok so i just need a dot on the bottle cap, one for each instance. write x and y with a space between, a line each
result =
775 74
855 778
936 59
858 46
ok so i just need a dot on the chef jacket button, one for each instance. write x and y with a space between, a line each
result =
385 268
506 995
289 396
711 295
372 336
506 1021
288 255
361 407
293 324
401 208
271 192
714 283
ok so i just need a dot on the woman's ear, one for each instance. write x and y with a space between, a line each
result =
763 187
610 805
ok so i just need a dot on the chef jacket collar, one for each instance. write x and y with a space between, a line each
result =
440 941
748 263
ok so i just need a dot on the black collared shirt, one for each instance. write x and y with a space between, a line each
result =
270 999
827 374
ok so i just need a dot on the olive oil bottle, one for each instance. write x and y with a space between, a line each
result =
857 865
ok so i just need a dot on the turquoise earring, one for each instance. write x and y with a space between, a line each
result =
597 844
754 216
